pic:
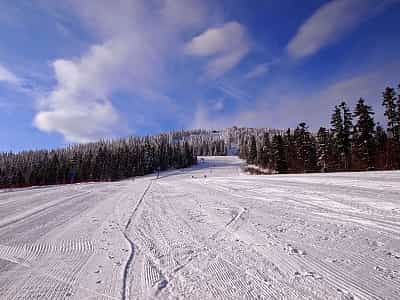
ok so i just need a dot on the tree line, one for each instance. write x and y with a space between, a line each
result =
204 142
207 142
353 142
106 160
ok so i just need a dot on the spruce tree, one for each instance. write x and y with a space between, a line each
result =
381 144
391 113
397 131
305 147
341 123
322 148
291 150
251 158
278 154
364 131
380 137
264 156
337 133
243 151
347 128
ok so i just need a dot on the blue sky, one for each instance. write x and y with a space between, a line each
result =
76 71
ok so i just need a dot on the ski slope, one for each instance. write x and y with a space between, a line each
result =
186 236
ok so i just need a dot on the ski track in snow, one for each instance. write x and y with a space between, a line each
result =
184 235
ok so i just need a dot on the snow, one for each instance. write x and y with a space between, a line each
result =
207 232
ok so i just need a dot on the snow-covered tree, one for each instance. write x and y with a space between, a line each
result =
364 133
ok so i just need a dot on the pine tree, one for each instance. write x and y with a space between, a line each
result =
380 137
381 144
278 154
341 134
398 110
397 147
291 151
305 147
264 153
391 113
243 152
323 148
337 133
347 128
251 158
364 131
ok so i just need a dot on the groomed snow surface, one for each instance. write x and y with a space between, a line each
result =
186 236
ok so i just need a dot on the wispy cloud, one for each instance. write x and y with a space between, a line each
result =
7 76
226 46
294 106
185 13
260 69
232 91
132 66
331 22
217 105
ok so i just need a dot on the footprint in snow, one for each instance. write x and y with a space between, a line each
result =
379 268
346 294
394 254
292 250
374 243
308 274
312 274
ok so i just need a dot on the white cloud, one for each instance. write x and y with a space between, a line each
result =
226 46
7 76
203 119
78 107
77 122
313 106
332 21
134 44
217 105
316 108
217 40
232 91
187 13
258 71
